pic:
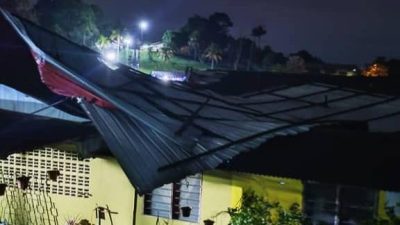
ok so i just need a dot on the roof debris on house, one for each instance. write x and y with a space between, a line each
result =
161 132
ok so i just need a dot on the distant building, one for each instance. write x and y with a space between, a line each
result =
334 69
156 46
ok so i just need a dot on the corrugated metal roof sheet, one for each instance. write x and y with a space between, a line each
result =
13 100
161 132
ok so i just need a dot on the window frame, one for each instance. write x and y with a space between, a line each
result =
175 204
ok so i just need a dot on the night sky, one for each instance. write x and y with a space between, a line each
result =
341 31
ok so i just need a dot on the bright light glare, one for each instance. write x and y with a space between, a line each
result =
128 40
165 78
145 46
110 56
143 25
110 59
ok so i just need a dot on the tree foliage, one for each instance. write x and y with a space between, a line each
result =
168 39
258 32
24 8
307 57
194 44
214 54
296 64
166 54
74 19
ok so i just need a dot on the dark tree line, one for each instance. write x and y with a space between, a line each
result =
76 20
200 38
200 34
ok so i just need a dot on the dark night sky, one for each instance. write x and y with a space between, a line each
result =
341 31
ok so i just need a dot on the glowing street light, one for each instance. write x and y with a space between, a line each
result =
143 26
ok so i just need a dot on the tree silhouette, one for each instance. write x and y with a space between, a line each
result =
296 64
194 43
24 8
102 42
166 54
76 20
258 32
168 39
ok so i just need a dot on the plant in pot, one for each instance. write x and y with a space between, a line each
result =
53 174
186 210
23 182
208 222
3 189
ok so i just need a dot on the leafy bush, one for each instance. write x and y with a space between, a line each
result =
256 210
391 219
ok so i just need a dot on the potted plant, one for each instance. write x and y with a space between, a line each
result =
3 189
186 210
53 174
208 222
23 182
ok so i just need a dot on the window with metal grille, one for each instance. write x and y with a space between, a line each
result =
338 205
168 200
393 201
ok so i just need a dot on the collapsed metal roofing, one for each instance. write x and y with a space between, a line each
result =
160 132
28 123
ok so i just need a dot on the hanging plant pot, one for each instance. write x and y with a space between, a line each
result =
208 222
3 189
186 210
53 174
23 182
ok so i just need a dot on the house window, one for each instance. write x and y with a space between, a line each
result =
167 200
393 201
338 205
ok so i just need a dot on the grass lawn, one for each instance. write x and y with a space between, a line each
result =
174 64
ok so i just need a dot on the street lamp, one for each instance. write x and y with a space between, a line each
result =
143 26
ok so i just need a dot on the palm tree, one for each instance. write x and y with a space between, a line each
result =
116 38
214 54
166 54
194 44
258 32
102 42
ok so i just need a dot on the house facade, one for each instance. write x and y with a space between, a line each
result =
98 190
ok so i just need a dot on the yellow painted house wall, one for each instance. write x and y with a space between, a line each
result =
220 190
108 186
285 191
